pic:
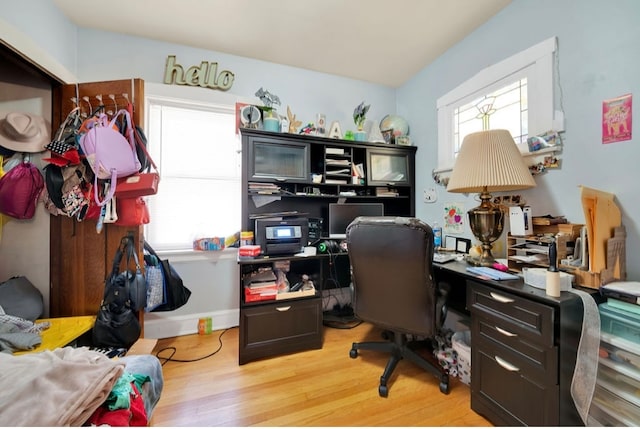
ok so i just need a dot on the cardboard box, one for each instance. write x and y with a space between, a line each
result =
249 250
520 220
209 243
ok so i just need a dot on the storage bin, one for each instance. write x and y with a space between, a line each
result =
619 322
461 344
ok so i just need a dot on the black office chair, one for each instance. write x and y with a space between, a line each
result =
394 288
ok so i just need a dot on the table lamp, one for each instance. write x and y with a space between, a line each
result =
488 161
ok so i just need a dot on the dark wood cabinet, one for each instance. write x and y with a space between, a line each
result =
289 162
284 167
523 352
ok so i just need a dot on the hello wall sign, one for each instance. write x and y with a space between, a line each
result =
205 75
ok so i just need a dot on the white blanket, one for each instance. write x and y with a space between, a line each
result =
62 387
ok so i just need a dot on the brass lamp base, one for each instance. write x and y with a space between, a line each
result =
486 222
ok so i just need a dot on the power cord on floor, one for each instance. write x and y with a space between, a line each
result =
341 317
174 350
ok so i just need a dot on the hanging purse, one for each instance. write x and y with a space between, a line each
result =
132 212
137 281
142 183
117 323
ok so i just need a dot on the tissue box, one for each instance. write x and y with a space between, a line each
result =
209 243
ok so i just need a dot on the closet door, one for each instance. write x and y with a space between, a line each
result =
80 257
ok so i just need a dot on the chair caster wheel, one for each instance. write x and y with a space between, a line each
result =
444 387
383 391
353 353
386 335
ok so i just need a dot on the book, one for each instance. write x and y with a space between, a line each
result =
548 220
296 294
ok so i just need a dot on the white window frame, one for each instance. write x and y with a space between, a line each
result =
534 63
184 97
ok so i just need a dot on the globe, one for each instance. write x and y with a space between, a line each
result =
398 123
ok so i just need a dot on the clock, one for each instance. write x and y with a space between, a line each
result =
250 116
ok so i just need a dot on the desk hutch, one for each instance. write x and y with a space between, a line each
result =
286 164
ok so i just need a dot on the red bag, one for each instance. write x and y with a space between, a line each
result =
132 212
20 188
138 185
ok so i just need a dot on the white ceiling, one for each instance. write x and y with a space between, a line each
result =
380 41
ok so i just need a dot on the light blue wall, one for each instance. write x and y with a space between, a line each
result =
599 41
46 26
307 92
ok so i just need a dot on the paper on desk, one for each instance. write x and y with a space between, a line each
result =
263 200
601 215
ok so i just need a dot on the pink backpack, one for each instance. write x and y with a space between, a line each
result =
20 188
109 153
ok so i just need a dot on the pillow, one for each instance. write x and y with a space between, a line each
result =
19 297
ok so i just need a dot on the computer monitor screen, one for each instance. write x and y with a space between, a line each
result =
341 215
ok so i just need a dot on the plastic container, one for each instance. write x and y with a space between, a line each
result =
537 277
619 322
461 344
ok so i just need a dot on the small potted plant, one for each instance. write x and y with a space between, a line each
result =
359 118
270 117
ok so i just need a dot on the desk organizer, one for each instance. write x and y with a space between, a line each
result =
616 267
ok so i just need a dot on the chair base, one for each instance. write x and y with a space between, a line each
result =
400 349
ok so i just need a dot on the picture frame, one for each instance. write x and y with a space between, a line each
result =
239 107
387 135
463 245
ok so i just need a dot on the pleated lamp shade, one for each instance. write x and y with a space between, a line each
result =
489 159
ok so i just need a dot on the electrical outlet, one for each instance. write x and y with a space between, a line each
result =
430 195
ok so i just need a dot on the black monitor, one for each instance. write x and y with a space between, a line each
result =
341 215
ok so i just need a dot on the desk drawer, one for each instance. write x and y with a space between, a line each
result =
504 386
534 362
518 316
280 327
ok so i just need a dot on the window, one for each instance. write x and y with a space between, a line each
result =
198 154
515 94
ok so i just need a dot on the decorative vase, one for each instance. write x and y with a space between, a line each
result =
271 120
360 136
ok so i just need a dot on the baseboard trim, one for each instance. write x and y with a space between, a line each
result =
164 326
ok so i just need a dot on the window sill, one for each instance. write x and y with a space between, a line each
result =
198 255
441 175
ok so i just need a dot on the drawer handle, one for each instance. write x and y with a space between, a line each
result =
501 298
283 308
506 365
505 332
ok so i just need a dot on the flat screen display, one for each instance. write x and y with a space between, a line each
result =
341 215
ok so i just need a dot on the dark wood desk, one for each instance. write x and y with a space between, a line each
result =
523 347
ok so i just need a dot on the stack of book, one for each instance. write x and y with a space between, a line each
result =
260 286
264 188
383 191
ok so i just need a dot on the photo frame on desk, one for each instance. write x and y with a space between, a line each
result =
387 135
457 244
463 245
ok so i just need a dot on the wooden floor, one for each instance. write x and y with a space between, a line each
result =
313 388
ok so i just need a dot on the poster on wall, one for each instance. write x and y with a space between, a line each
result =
454 218
616 119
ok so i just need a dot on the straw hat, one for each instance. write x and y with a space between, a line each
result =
23 132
